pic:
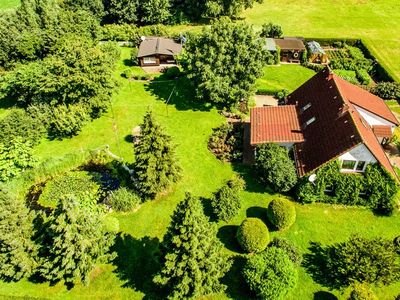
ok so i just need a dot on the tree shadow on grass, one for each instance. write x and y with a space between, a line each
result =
323 295
250 177
233 279
6 103
315 265
208 210
137 263
179 93
227 235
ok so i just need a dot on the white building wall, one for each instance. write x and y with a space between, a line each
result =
359 153
373 119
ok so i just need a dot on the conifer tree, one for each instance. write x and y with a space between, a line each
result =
17 250
193 262
155 167
74 240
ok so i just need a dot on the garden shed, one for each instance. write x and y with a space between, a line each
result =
154 51
316 53
292 49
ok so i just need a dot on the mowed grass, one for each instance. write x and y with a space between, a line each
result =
7 4
285 76
190 123
376 22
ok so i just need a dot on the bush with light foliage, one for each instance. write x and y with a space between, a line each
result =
253 235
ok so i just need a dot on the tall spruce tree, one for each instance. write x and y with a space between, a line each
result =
17 250
193 262
74 240
155 167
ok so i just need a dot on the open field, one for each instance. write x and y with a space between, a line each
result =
6 4
190 123
376 22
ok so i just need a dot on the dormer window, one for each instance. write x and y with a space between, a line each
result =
305 107
310 121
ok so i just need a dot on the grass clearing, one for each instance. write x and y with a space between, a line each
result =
376 22
284 76
190 123
7 4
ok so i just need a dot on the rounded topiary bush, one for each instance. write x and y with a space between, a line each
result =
281 213
124 200
253 235
361 291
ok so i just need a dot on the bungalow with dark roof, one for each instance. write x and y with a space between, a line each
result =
326 119
154 51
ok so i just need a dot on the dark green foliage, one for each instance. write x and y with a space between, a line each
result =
154 11
226 142
229 8
64 78
15 157
349 58
32 31
193 260
281 95
120 11
79 185
67 121
377 185
387 90
226 203
120 32
19 123
253 235
95 7
270 30
281 213
172 73
17 250
291 250
224 62
362 292
371 261
134 58
123 200
156 166
275 167
73 242
270 274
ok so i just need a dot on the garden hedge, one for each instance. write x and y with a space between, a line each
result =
253 235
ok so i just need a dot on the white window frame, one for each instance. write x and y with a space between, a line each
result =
355 166
309 122
305 107
149 60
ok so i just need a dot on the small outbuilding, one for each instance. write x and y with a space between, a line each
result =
316 53
154 51
291 49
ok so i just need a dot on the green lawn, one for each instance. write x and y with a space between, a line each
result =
376 22
277 78
6 4
190 124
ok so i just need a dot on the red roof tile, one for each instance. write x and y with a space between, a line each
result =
278 124
338 126
382 131
365 100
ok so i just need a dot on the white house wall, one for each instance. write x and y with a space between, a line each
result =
359 153
373 119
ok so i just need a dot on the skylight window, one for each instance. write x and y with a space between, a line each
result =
305 107
310 121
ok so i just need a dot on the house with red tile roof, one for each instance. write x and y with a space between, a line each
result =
326 119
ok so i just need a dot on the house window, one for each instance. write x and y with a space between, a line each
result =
348 164
360 165
149 60
305 107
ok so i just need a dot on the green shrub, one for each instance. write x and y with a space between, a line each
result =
362 292
226 203
124 200
120 32
291 250
253 235
315 67
172 72
79 185
387 90
348 188
134 56
67 121
275 167
270 30
226 142
127 73
281 213
270 274
281 95
363 76
306 192
15 157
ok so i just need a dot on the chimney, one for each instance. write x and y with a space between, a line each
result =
330 74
